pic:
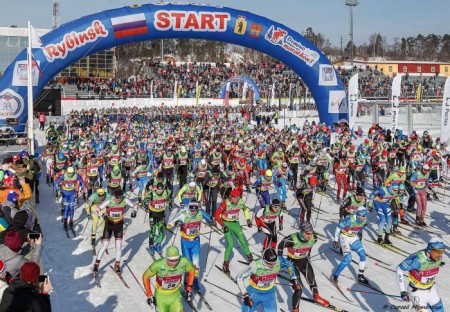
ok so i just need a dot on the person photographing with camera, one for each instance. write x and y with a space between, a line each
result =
27 293
11 253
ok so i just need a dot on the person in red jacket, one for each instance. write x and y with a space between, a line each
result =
42 121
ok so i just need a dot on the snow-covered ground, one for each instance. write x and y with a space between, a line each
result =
68 262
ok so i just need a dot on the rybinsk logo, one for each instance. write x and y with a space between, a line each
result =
75 40
191 21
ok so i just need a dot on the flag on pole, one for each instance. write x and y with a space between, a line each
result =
35 43
272 97
226 101
419 93
353 100
395 102
198 89
244 91
175 93
445 122
179 92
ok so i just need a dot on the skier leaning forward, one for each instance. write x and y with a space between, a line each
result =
190 221
423 267
114 215
169 272
228 217
299 247
261 276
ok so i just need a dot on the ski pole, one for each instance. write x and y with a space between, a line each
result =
374 293
145 217
175 236
317 215
137 281
320 253
225 290
87 223
207 251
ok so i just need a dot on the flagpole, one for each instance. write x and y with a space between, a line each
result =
30 95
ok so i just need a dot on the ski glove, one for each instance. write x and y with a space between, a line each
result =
259 229
151 301
225 229
295 284
405 296
281 226
249 223
89 216
188 295
336 244
133 214
105 217
248 301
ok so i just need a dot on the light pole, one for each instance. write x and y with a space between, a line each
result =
351 4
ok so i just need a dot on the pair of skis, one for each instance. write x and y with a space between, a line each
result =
153 255
118 274
66 228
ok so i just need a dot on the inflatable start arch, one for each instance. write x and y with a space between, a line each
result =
238 79
90 34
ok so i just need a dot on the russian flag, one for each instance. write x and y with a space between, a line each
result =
129 25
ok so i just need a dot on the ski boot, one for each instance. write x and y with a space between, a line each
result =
403 221
334 278
320 300
419 221
362 279
395 230
226 267
386 239
71 223
380 239
96 265
429 197
159 249
435 196
65 223
422 223
117 267
250 258
151 250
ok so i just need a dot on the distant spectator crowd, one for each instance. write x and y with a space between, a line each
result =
211 78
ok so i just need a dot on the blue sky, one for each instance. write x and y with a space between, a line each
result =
391 18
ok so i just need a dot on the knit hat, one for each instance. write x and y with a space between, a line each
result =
2 269
13 241
29 272
13 197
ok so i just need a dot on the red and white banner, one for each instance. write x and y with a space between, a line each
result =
352 100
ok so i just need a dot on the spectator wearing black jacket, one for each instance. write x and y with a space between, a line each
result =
25 294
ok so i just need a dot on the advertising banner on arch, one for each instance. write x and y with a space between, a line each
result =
395 102
90 34
445 119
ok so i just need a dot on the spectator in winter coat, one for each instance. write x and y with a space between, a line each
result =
25 294
10 252
18 224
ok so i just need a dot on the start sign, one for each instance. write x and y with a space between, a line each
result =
189 20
